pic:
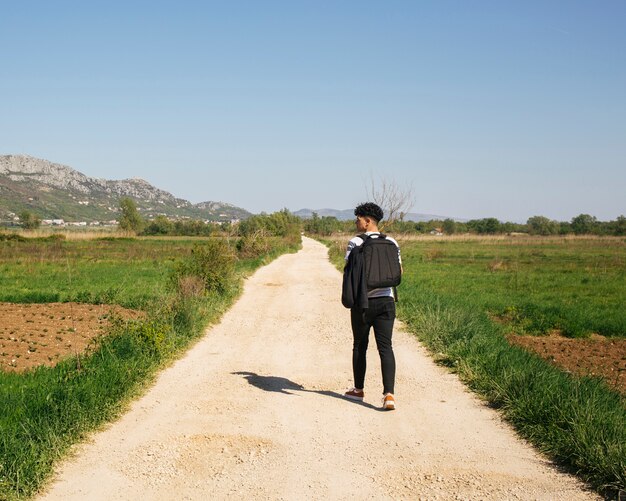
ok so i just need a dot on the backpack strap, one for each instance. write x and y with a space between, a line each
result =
365 236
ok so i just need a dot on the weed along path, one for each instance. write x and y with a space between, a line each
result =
254 411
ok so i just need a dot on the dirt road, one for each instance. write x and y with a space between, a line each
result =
254 411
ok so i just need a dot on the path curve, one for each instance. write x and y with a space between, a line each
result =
254 411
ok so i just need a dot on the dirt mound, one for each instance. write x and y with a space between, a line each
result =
42 334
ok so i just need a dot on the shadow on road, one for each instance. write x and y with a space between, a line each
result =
283 385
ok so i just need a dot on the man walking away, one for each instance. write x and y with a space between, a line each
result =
379 314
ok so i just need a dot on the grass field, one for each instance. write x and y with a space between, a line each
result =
128 272
46 409
534 285
463 296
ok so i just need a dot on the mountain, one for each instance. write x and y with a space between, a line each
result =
55 191
347 214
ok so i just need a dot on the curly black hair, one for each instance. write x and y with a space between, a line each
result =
369 209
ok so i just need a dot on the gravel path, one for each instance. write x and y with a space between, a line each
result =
254 411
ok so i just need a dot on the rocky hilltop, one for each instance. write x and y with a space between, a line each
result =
55 191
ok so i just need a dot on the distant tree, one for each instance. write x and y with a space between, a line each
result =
541 225
435 224
396 200
160 225
461 227
491 226
618 227
400 227
565 227
29 220
325 225
449 226
282 224
486 226
130 220
313 224
584 224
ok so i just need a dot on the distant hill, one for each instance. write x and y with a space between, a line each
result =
55 191
347 214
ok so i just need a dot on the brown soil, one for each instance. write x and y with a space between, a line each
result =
597 356
43 334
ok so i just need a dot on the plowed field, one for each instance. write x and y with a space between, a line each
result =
43 334
597 356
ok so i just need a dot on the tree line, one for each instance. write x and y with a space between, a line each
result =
283 223
279 224
583 224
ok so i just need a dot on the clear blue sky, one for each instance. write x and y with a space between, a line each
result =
491 109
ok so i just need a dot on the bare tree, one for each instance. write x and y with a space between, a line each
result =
396 200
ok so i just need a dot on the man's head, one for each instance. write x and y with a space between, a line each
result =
369 209
368 216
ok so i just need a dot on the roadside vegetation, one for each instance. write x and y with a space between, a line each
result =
465 296
180 284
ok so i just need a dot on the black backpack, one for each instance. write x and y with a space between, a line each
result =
380 260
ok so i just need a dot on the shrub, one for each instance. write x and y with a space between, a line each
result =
253 245
280 224
11 237
130 220
153 334
29 220
55 237
190 286
212 262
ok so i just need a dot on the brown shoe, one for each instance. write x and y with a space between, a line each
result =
354 394
389 404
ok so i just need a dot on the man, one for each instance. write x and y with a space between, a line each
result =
380 314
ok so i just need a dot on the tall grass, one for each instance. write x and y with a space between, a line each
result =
45 410
448 296
578 421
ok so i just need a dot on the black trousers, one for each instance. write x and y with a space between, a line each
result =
380 315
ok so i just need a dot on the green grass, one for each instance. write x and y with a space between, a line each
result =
46 410
535 285
579 422
451 292
129 272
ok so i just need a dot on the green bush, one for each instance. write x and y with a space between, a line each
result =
213 262
55 237
12 237
253 245
279 224
154 334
